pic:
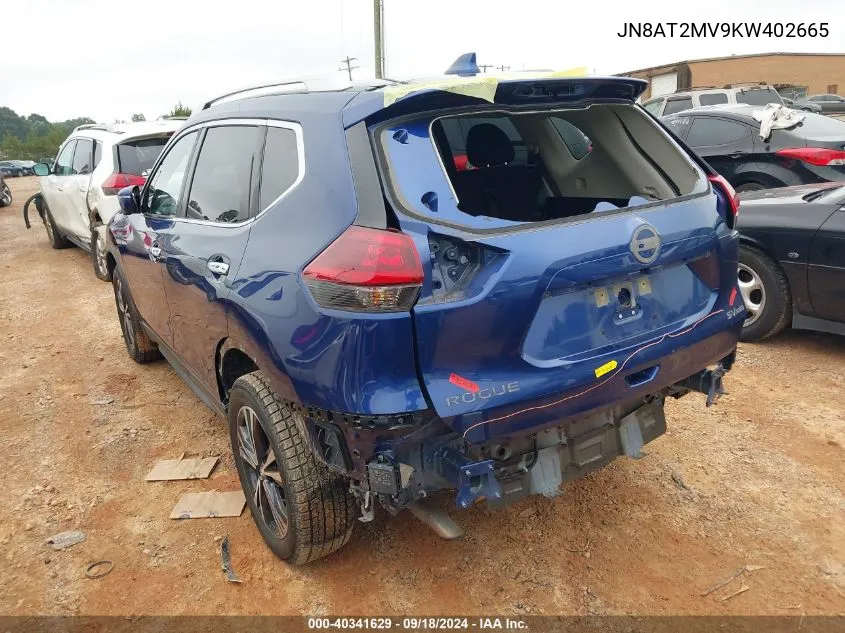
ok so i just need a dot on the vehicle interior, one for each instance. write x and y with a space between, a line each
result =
557 164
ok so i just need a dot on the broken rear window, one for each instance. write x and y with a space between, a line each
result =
498 168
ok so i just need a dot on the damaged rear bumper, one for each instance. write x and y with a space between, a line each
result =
403 460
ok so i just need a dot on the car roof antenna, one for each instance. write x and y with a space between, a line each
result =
464 66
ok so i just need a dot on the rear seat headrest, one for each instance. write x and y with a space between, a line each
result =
488 146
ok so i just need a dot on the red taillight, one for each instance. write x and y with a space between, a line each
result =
731 197
116 182
815 156
366 270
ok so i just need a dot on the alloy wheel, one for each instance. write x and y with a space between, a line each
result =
100 245
7 195
753 293
264 481
125 314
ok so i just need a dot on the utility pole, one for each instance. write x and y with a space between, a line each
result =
378 31
484 67
349 67
503 68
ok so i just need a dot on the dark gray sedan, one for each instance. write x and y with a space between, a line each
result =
830 104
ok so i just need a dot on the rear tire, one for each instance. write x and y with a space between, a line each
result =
139 346
98 253
765 291
750 186
57 240
303 511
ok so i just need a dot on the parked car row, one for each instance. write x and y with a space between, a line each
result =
16 168
758 94
388 291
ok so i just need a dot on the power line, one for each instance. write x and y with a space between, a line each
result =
503 68
349 67
484 67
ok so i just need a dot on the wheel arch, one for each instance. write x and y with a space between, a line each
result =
768 174
231 363
750 242
237 356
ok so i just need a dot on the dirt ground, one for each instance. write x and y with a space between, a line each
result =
757 480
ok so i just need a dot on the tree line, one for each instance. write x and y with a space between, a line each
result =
35 138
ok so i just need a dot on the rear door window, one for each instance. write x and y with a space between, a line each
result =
137 157
758 96
280 165
678 125
712 98
712 131
677 105
222 181
64 163
98 153
83 156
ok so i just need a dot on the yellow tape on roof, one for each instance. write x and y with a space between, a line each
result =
481 87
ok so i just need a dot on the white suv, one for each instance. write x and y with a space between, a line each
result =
94 163
753 94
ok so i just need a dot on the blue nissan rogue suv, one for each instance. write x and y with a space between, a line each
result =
478 285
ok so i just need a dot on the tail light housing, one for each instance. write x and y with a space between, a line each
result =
366 270
115 182
819 156
731 199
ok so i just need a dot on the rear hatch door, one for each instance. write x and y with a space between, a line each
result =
520 311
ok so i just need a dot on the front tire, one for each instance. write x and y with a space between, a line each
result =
765 291
139 346
302 510
98 253
5 195
57 240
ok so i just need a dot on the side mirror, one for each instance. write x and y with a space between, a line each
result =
41 169
129 199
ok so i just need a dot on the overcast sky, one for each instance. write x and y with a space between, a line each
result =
109 59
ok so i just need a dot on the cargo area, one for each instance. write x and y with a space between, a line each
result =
508 167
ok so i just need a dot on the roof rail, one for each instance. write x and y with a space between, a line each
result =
691 88
285 87
740 84
172 118
91 126
315 83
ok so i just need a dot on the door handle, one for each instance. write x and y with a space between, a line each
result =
737 154
155 253
218 268
59 189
